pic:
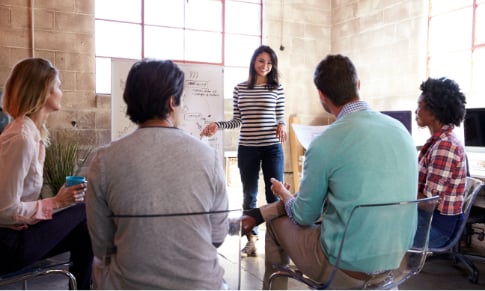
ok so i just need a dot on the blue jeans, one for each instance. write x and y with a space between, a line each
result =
442 229
250 160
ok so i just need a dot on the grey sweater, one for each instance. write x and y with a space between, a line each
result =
156 171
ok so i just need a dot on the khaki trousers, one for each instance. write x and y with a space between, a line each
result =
285 240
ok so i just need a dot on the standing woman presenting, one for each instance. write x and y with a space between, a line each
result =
259 109
29 229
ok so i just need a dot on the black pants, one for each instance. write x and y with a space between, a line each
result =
67 231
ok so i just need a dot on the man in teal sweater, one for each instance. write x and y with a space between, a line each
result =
363 157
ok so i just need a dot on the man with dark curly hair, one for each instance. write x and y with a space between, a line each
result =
442 160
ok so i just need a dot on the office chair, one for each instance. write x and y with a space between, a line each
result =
407 262
49 266
452 248
477 215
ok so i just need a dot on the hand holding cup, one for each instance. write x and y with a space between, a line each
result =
81 190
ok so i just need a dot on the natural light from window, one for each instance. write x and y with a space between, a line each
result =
215 32
457 45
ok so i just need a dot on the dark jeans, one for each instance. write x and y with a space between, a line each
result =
443 228
66 232
250 160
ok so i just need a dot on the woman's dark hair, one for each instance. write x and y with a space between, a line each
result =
444 99
149 86
336 77
272 79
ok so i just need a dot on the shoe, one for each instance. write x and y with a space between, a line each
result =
249 250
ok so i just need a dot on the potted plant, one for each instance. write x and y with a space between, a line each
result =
62 159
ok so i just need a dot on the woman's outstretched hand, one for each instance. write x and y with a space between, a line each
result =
209 130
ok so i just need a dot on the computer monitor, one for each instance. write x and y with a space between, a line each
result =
474 127
404 116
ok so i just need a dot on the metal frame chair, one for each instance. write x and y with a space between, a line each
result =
411 261
473 187
477 216
49 266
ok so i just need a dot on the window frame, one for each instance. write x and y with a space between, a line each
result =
257 38
468 58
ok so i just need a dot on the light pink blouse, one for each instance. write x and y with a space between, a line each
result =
22 155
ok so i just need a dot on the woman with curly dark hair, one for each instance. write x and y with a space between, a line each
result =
442 160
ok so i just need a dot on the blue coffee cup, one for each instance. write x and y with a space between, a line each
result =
74 180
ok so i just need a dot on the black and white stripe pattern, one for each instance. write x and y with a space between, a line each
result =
257 111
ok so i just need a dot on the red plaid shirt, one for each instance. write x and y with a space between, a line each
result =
442 170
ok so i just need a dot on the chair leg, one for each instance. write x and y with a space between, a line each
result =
468 233
69 275
472 269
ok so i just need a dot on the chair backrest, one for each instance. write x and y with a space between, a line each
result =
472 188
402 252
391 258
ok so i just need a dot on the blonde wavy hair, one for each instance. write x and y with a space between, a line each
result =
26 90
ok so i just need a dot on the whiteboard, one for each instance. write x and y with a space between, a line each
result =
202 101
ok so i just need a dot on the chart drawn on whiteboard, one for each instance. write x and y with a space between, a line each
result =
202 101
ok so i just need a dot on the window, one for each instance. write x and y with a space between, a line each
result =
219 32
456 45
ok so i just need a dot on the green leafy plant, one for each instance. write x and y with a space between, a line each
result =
62 159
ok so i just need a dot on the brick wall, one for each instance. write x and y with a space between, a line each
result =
61 31
385 39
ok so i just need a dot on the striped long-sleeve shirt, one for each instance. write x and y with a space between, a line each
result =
258 112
